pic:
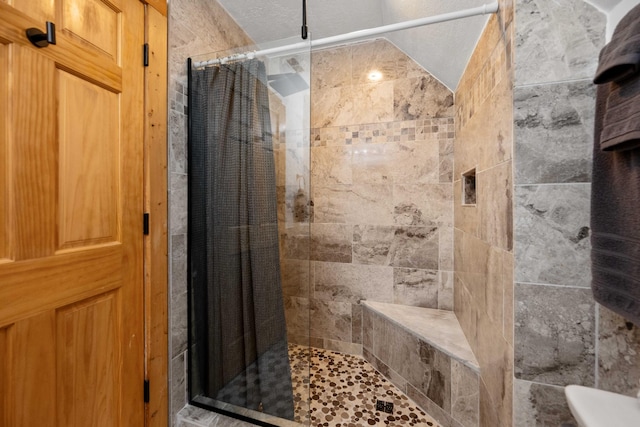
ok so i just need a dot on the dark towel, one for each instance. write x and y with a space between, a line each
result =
619 68
620 58
621 123
615 224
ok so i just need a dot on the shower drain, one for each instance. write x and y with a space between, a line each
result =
383 406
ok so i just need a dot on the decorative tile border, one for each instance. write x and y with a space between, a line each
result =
438 129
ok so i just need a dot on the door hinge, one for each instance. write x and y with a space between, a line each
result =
145 55
146 391
145 224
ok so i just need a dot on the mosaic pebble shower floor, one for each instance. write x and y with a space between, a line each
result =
344 392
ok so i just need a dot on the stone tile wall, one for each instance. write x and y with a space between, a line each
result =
561 336
483 241
380 195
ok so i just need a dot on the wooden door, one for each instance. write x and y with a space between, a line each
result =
71 205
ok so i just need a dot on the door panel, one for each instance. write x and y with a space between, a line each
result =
71 283
87 347
33 131
33 370
99 24
40 10
72 54
89 152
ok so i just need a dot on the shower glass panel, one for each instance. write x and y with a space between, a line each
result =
249 235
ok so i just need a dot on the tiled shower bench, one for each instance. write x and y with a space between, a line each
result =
425 354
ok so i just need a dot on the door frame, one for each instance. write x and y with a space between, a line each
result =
156 255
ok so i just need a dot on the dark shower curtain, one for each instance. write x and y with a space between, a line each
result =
238 335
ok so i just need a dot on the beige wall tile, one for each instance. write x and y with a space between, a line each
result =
495 202
483 233
331 165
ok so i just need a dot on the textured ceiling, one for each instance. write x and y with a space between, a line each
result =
442 49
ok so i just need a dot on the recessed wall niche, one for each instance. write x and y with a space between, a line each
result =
469 188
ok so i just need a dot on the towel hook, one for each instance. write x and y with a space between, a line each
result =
40 39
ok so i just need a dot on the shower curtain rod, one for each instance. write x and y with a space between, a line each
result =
475 11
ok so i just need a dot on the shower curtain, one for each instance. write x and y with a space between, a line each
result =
238 333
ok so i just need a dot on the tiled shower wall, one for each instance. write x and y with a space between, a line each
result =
195 27
561 336
381 195
483 231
